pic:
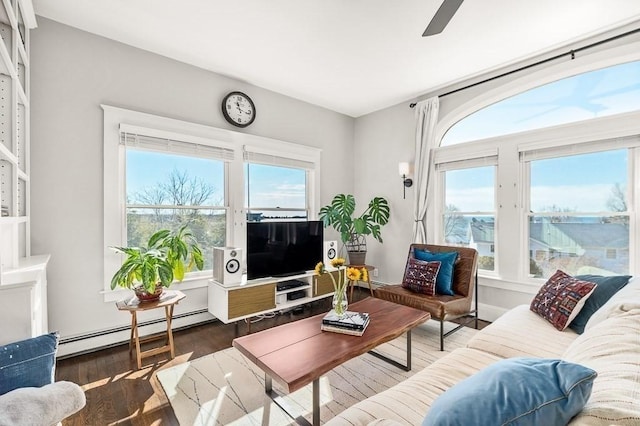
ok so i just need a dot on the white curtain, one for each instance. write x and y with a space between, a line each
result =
426 118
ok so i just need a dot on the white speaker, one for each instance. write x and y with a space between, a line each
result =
330 252
226 265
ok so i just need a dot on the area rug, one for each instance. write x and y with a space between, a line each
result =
225 388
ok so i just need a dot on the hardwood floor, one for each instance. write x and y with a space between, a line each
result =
119 394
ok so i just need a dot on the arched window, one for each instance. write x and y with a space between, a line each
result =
598 93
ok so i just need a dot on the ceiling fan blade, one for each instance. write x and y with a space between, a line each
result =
442 17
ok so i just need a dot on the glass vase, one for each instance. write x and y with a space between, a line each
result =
340 302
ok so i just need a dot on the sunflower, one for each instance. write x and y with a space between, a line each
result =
319 268
354 274
338 262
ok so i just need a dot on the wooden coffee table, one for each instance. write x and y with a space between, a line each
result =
299 353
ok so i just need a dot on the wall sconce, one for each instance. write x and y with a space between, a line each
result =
403 170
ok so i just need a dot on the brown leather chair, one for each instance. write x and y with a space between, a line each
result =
443 307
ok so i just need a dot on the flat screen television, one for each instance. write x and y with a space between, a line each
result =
279 249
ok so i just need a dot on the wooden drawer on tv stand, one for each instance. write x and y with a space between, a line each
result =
249 300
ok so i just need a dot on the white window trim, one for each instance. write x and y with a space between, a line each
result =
114 183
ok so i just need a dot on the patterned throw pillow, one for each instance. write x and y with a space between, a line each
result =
420 276
561 298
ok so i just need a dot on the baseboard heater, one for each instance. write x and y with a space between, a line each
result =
128 328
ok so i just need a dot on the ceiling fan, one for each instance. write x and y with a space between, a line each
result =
442 17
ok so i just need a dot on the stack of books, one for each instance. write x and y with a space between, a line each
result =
353 323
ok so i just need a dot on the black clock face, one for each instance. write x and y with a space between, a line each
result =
238 109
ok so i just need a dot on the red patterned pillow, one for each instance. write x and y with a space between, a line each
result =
561 298
420 276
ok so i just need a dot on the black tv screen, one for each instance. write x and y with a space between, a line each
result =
276 249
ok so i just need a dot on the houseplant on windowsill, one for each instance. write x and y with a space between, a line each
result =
167 257
352 229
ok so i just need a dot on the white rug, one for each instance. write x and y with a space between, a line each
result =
225 388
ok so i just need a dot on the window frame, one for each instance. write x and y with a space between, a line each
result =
114 182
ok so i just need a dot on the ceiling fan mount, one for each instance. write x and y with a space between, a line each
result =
442 17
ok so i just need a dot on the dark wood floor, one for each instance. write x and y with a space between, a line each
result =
120 394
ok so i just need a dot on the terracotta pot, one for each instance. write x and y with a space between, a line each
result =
145 297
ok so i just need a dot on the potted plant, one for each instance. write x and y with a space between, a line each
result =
167 257
354 229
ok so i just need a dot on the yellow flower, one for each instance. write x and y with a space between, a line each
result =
365 274
354 274
319 268
338 262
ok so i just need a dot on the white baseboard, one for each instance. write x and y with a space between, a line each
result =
107 338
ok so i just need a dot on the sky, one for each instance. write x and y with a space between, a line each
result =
587 179
271 186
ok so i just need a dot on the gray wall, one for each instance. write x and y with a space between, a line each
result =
73 72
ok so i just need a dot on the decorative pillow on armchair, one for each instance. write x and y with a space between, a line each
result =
444 280
560 299
420 276
28 363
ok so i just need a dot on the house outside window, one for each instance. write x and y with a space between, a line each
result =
469 212
578 213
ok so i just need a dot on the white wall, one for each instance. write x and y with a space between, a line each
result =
73 72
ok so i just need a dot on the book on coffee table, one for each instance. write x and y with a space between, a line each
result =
344 330
350 320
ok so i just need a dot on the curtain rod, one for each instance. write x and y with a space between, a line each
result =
571 52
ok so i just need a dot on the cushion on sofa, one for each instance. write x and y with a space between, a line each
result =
420 276
28 363
520 332
407 401
612 348
606 288
561 298
444 280
628 296
522 391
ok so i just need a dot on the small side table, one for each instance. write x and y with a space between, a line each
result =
167 301
352 283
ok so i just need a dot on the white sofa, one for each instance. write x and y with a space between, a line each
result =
610 345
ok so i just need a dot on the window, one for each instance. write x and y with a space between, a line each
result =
167 191
469 211
275 192
598 93
578 217
278 187
567 163
162 172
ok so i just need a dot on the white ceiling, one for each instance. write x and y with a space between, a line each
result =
351 56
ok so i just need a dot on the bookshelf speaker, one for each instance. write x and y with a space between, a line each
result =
330 253
226 265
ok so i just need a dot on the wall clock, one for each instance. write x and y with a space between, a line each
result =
238 109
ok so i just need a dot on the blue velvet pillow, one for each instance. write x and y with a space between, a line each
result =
28 363
444 280
515 391
607 287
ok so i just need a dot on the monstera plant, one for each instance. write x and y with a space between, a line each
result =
340 214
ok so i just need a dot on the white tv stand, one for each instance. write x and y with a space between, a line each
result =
231 303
